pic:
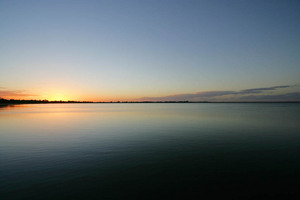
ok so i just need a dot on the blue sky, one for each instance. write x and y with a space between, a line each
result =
124 50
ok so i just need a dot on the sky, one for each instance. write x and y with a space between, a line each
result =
148 50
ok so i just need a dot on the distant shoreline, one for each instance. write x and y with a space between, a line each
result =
4 102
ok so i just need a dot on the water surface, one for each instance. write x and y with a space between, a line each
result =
150 151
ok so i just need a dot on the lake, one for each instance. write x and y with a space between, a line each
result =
150 151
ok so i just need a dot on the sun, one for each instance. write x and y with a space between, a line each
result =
58 97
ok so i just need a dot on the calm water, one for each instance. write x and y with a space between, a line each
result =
150 151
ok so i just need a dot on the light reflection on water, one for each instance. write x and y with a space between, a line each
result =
148 150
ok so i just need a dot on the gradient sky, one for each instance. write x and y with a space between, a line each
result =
149 50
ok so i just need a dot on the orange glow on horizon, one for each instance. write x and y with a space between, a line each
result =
57 97
66 98
67 94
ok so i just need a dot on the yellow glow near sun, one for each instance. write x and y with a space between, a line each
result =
58 97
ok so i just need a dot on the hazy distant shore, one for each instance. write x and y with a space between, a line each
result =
4 102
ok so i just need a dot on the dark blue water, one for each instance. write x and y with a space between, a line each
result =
150 151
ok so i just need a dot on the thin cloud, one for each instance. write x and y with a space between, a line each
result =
215 95
14 93
180 97
293 96
260 90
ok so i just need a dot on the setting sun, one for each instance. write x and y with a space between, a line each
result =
58 97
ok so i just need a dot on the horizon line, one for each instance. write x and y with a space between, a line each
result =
45 101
